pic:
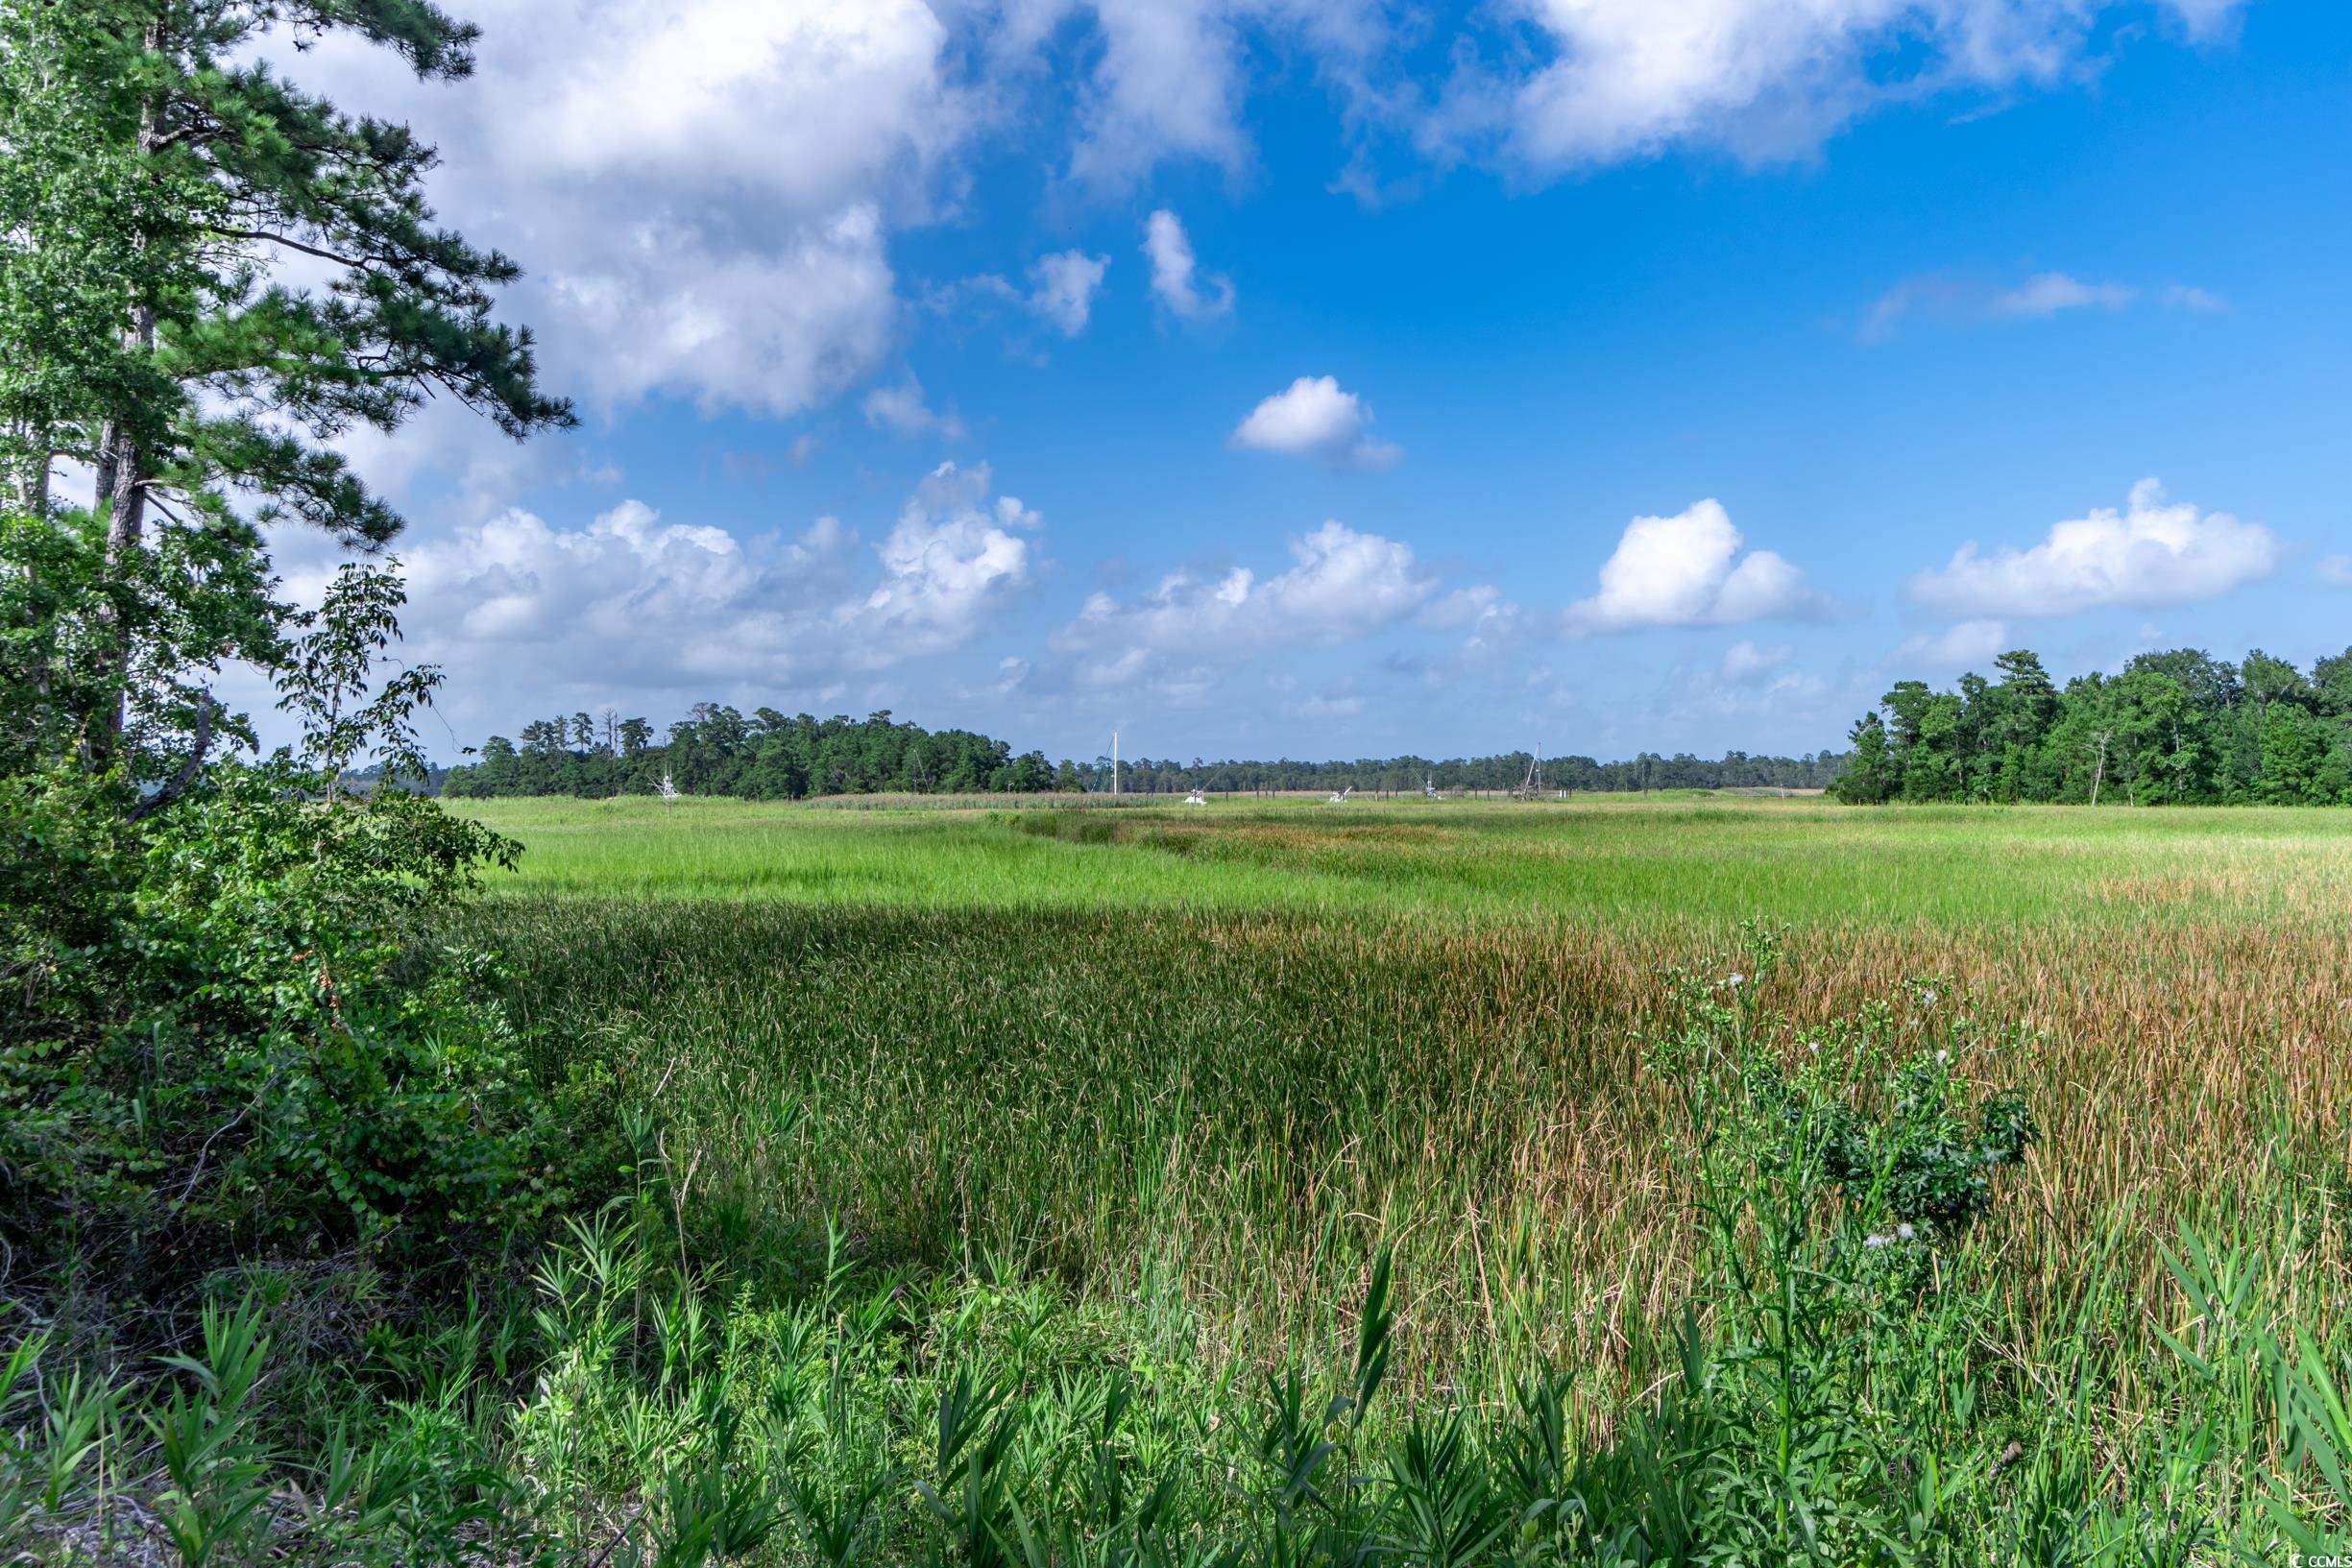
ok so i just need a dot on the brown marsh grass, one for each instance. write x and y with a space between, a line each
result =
1207 1064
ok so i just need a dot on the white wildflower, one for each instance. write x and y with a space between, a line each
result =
1906 1231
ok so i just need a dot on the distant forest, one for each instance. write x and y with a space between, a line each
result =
2174 727
766 755
1504 771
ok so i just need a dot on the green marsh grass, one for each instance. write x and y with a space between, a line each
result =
1270 1184
1691 861
1228 1052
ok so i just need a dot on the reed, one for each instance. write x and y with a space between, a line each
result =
1258 1045
1611 1182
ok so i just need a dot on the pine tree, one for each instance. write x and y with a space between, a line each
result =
154 178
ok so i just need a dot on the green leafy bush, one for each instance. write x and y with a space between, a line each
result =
224 1030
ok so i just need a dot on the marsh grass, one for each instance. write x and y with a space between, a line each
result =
1699 863
1283 1185
1840 1381
1230 1054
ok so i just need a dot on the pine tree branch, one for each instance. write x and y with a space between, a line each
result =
187 776
293 244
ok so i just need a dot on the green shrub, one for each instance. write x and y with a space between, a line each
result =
223 1031
217 1033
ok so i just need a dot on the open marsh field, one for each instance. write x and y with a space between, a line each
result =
1707 1179
1688 860
1202 1064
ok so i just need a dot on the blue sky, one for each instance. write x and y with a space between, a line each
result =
1603 374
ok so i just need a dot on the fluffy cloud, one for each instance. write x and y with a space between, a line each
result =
1341 585
1964 645
664 612
2038 297
1174 278
671 312
1063 288
902 410
700 192
952 558
1770 78
1687 570
2046 294
1314 418
1169 78
2153 552
1061 291
1746 665
1167 83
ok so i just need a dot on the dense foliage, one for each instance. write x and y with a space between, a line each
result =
216 1044
155 186
1497 773
718 751
224 1039
1837 1390
2179 726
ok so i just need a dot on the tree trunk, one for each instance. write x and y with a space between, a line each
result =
110 437
32 483
122 495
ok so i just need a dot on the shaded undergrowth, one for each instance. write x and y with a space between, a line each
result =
1839 1380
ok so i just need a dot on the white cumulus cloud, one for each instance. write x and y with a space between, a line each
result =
1175 277
700 192
660 613
2046 294
1771 78
902 410
1167 79
1688 570
2154 551
2036 298
1963 645
1341 585
952 558
1313 416
1063 288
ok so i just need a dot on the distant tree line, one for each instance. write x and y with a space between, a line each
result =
763 755
718 750
1501 772
2174 727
